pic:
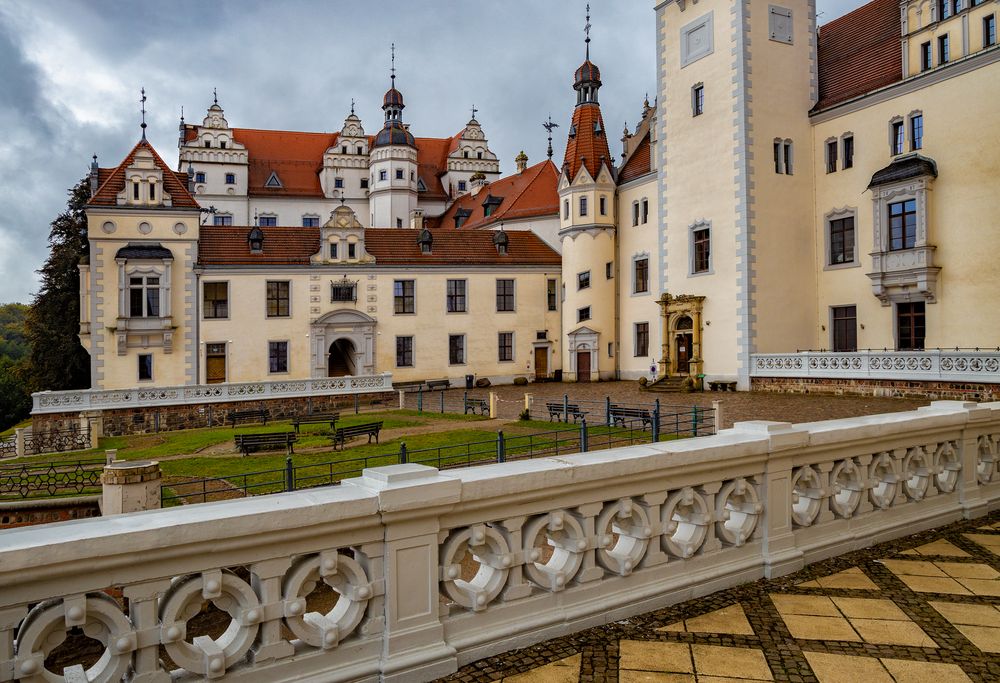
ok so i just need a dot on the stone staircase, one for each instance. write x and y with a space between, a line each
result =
668 385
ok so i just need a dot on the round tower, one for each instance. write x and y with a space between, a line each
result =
393 164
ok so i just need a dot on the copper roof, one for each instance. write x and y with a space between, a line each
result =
112 181
638 164
531 194
859 52
587 147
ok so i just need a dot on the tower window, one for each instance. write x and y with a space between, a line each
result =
848 151
645 210
364 183
990 30
783 157
361 150
701 257
698 100
343 149
916 132
583 280
603 204
831 156
583 314
926 59
383 175
199 177
635 213
465 154
944 49
566 209
399 174
640 276
208 143
230 179
583 206
222 145
479 155
898 133
462 185
338 183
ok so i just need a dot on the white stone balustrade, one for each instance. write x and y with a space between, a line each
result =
932 365
436 569
196 394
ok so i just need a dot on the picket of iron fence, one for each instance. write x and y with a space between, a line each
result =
52 480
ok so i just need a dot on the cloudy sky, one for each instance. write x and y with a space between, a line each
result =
72 73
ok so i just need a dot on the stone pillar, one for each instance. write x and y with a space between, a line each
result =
717 416
493 406
665 339
529 400
19 441
411 498
130 486
402 400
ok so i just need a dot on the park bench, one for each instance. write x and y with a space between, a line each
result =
407 386
247 416
620 415
477 404
434 384
722 386
342 434
317 418
269 441
570 410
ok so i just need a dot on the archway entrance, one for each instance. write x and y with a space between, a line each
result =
341 358
683 342
682 332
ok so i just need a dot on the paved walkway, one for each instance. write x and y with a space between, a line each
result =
923 608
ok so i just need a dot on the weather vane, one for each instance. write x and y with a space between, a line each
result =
474 110
549 125
352 105
586 30
215 96
142 104
392 71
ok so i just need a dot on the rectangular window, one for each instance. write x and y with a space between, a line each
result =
399 174
603 203
990 30
583 206
916 132
404 352
222 219
641 339
609 270
566 209
698 100
944 9
944 49
277 356
199 177
268 221
898 133
842 241
343 290
910 326
505 295
152 191
135 191
844 323
278 298
635 214
926 57
583 314
230 179
333 250
338 183
777 157
404 296
364 183
550 294
702 247
455 298
903 225
399 222
310 221
383 175
352 250
505 346
462 186
583 280
849 152
641 276
144 296
788 157
145 367
456 349
216 300
831 156
645 211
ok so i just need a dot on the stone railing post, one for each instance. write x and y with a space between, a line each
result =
717 415
130 486
19 442
411 498
402 400
969 487
529 400
493 406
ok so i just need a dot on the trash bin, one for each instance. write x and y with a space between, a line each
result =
470 381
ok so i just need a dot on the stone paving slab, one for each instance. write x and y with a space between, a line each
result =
921 608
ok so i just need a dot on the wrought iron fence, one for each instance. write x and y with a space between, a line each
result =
56 441
53 480
8 447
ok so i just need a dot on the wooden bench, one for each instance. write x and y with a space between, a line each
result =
722 386
570 410
620 415
474 404
342 434
269 441
248 416
317 418
407 386
435 384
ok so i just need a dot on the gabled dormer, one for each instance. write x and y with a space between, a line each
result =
342 239
143 181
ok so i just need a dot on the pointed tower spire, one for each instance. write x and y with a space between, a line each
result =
586 30
142 104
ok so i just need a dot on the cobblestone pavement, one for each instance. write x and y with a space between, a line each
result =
922 608
736 406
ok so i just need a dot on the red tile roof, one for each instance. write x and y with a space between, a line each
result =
450 247
112 181
638 164
859 52
432 163
531 194
587 147
227 245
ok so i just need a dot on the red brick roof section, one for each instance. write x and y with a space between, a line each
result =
587 147
638 164
531 194
112 181
227 246
859 52
297 158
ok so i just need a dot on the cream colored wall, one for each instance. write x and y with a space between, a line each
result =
962 220
589 251
248 330
634 241
964 29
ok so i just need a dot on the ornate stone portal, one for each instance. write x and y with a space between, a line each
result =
681 347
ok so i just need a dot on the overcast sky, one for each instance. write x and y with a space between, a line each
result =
72 73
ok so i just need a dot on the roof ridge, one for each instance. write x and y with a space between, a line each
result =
520 194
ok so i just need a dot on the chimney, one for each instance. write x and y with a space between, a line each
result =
477 182
94 175
522 161
190 173
417 219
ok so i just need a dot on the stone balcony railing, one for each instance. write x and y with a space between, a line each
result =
437 569
96 399
935 365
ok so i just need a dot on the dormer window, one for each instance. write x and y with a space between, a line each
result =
273 180
490 205
461 216
572 131
135 190
256 241
420 185
425 241
597 128
501 242
343 149
152 191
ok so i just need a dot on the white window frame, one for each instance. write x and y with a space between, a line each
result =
692 229
833 215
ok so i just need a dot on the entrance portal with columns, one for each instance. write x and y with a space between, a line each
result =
682 327
343 342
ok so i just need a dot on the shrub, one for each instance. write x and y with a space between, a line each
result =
524 415
520 381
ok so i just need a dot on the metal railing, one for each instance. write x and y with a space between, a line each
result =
928 365
56 441
71 478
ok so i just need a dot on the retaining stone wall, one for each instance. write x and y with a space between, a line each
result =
29 513
878 387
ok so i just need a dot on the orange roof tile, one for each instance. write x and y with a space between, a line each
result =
533 193
227 245
587 147
432 163
638 164
112 181
859 52
296 157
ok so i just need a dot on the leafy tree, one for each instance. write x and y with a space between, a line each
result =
15 401
13 343
57 359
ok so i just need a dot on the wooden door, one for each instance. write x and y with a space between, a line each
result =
684 342
215 363
541 363
583 366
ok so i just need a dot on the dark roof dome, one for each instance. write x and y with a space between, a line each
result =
392 98
394 134
588 71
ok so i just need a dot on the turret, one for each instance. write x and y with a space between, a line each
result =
393 163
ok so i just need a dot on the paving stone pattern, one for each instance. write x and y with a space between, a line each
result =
921 608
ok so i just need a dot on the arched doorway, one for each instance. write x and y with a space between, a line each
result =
341 360
683 344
